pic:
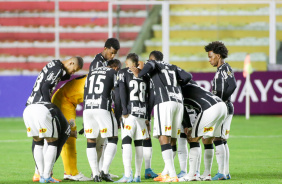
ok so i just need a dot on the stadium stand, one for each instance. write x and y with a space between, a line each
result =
27 31
243 28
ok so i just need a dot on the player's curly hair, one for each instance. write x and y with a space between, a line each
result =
218 48
133 57
157 54
112 42
114 63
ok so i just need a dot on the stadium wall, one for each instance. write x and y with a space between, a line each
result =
265 94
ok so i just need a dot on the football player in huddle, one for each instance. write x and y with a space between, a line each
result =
97 113
135 117
168 108
211 113
46 124
223 85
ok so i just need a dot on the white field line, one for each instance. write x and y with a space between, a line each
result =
84 139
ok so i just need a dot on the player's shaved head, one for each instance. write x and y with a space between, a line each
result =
78 60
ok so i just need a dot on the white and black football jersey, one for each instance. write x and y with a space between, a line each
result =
224 83
166 80
133 93
97 62
98 88
196 97
46 82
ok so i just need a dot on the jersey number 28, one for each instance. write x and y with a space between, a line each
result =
134 92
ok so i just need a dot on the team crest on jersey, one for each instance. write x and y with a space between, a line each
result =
229 73
28 129
42 130
88 131
143 132
167 128
178 132
208 129
103 131
127 127
227 132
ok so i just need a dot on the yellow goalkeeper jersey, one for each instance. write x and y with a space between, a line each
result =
69 95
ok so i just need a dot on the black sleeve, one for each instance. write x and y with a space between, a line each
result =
117 104
186 119
148 67
122 92
230 89
182 76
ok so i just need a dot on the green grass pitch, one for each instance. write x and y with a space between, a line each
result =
255 153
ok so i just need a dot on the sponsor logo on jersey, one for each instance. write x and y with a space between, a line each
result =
103 131
178 132
175 95
42 130
227 132
208 129
28 129
167 128
93 102
88 131
143 132
127 127
138 110
50 76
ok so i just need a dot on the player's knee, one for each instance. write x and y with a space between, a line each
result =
224 141
113 140
91 145
53 143
147 143
126 140
194 144
37 139
218 142
138 143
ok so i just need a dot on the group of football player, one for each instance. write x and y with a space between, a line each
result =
125 99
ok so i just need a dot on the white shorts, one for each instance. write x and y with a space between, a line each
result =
134 127
99 120
39 122
167 119
208 123
226 126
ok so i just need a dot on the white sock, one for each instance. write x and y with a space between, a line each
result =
127 158
109 155
220 157
226 159
169 163
39 159
199 160
182 153
49 160
165 171
147 155
193 160
92 159
138 160
100 157
208 158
